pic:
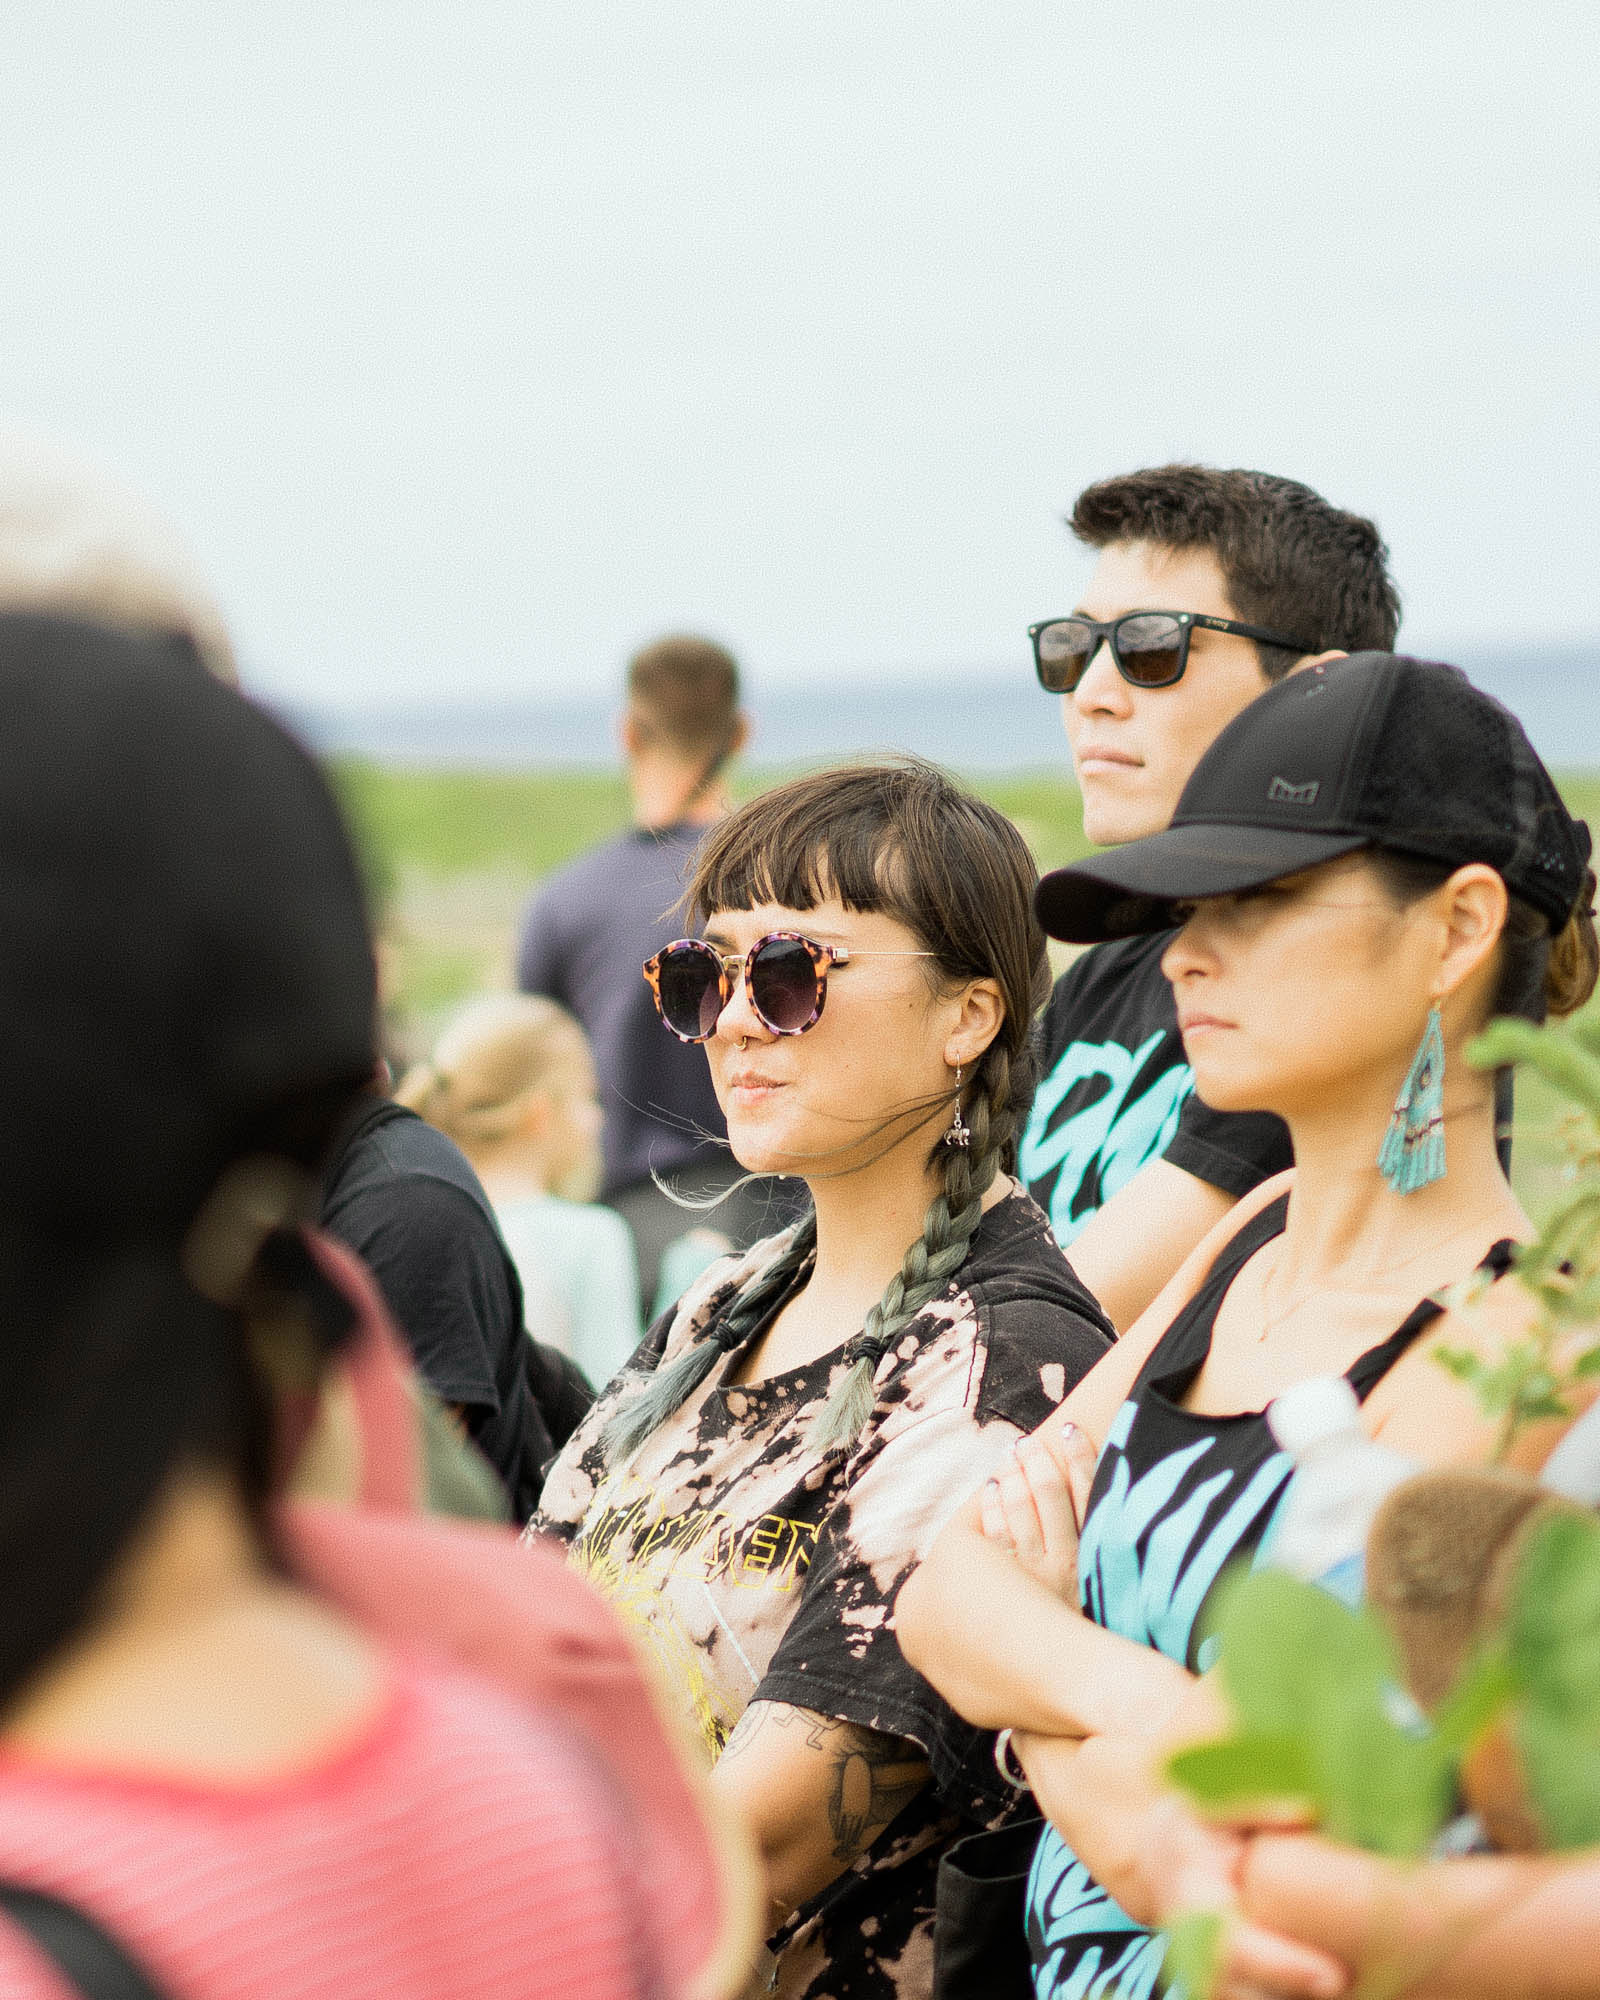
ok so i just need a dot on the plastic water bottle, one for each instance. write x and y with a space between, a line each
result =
1573 1468
1340 1481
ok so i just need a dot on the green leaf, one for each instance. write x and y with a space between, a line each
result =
1245 1772
1563 1778
1587 1364
1567 1234
1316 1689
1481 1692
1386 1789
1554 1651
1194 1953
1323 1720
1573 1071
1290 1652
1554 1636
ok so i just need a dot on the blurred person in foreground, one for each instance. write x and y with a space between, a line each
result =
512 1083
1209 586
74 543
593 924
201 1752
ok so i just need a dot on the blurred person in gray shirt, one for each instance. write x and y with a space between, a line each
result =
589 929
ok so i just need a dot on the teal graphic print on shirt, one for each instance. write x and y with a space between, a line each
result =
1146 1562
1163 1524
1065 1905
1100 1145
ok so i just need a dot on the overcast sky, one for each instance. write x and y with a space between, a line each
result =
468 345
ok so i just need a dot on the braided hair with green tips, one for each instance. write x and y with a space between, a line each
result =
938 1253
672 1386
904 839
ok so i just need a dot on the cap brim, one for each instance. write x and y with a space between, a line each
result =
1132 889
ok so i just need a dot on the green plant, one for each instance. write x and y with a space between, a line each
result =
1324 1729
1553 1657
1537 1376
1324 1726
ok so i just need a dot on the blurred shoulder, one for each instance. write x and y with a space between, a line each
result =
565 888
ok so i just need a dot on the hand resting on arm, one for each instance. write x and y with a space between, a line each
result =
987 1623
995 1626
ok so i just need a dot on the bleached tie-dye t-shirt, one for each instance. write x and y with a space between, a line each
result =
757 1568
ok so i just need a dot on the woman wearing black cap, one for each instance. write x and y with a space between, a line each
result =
1368 864
204 1763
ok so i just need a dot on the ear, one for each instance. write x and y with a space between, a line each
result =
629 735
1319 659
1473 905
981 1013
740 735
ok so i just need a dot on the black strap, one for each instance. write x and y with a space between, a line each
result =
89 1957
1180 1353
1368 1371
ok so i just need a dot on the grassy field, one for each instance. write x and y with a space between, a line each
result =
453 854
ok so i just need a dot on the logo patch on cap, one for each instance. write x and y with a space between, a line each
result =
1282 793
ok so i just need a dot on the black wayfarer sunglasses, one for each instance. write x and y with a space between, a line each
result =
1151 648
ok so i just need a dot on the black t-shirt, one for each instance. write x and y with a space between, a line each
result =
755 1567
406 1201
1116 1091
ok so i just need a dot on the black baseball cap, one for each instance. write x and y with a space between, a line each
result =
1376 750
183 934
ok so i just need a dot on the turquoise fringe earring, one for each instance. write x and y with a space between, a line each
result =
1412 1153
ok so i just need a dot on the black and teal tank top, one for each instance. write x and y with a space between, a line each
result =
1178 1496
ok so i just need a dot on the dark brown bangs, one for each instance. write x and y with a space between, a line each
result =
835 833
902 839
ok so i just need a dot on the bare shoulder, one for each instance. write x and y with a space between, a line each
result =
1426 1409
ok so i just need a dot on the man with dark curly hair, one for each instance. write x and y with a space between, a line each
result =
1209 586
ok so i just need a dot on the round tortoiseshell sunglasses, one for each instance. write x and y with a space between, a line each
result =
785 975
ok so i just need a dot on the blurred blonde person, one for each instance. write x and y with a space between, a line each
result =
512 1083
75 544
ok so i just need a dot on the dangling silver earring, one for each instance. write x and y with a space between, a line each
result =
960 1133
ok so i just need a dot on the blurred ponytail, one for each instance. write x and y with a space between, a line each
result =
118 1375
1574 959
1540 975
487 1064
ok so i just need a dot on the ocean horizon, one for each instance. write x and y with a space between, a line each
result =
984 719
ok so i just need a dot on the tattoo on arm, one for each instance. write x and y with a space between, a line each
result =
830 1788
872 1779
764 1718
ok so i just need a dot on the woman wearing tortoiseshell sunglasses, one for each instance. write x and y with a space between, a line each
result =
755 1486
